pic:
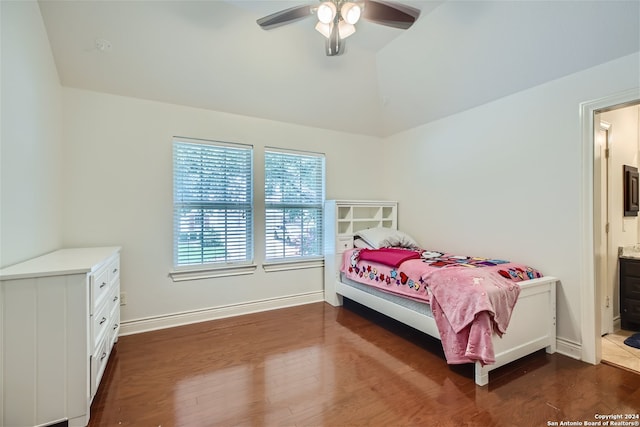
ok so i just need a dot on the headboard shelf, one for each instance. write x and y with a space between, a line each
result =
345 217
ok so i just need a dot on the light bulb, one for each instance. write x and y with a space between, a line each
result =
326 12
324 29
350 12
345 29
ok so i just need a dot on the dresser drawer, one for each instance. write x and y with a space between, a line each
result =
100 288
114 299
115 327
114 270
100 324
98 364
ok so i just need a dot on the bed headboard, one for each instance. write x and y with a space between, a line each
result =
344 218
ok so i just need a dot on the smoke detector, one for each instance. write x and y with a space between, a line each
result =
103 45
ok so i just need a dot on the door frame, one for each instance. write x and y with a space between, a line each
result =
591 348
602 234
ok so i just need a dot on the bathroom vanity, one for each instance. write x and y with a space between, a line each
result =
629 291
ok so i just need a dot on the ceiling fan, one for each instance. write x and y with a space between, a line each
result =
337 18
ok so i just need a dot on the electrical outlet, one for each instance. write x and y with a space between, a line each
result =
123 298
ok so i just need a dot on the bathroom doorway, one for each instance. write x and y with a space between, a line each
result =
616 144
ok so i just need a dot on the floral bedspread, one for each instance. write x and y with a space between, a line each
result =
470 297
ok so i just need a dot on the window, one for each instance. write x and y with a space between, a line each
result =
212 203
294 198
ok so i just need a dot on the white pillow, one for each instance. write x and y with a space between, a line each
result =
361 244
382 237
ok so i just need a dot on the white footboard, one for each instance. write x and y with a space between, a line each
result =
532 326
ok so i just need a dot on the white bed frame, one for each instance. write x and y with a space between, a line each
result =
532 326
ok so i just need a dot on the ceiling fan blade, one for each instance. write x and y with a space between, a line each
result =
285 16
390 14
334 43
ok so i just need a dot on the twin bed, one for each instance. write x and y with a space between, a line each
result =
485 311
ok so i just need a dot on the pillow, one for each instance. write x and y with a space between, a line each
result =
382 237
361 244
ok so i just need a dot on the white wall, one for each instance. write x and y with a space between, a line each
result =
30 143
118 191
504 179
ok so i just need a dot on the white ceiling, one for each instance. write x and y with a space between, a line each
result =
213 55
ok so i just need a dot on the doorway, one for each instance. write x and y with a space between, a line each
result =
616 138
590 298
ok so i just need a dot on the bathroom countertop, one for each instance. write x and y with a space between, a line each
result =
629 251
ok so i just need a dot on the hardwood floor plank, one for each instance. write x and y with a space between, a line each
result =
317 365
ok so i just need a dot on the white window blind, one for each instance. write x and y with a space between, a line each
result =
294 199
212 202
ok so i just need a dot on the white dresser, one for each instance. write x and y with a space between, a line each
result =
60 316
342 220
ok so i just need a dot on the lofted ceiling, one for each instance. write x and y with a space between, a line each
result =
213 55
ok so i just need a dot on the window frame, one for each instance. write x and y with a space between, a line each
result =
299 261
203 269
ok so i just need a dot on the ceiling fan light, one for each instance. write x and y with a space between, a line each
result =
345 29
326 12
324 29
350 12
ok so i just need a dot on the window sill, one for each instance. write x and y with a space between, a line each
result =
292 265
211 272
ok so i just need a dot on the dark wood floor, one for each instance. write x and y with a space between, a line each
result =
317 365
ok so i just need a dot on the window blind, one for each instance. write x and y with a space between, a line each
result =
294 199
213 202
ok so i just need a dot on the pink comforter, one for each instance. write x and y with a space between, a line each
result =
471 298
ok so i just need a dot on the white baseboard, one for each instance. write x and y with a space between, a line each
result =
569 348
136 326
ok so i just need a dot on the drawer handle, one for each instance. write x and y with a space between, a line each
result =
103 285
103 356
115 270
115 298
104 319
115 326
